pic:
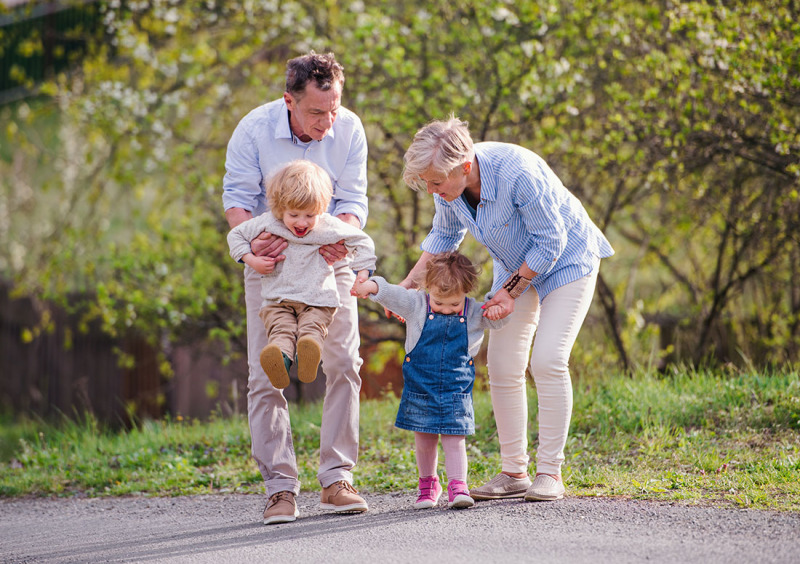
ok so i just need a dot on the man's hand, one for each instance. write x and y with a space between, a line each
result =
334 252
269 245
337 251
499 307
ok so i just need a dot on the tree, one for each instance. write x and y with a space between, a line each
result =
675 123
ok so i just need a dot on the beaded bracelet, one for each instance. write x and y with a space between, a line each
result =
516 284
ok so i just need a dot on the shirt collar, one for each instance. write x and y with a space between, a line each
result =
487 172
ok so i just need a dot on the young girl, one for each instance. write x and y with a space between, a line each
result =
444 329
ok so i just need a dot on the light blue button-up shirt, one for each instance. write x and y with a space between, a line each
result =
525 215
263 142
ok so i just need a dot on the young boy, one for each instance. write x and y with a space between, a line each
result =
299 293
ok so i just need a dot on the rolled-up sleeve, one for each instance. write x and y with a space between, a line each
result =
447 231
241 186
350 192
541 215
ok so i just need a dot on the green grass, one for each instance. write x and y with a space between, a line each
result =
690 437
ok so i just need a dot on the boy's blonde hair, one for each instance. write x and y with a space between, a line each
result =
450 273
299 185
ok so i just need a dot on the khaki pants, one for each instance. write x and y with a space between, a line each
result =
287 321
268 410
556 323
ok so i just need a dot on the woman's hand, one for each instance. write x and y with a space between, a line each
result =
499 307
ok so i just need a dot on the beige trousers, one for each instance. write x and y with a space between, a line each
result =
287 321
556 323
268 410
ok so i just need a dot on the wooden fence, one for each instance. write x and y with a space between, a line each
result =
62 370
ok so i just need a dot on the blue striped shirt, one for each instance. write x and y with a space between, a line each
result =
525 215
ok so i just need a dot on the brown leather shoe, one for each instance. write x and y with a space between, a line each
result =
281 508
341 497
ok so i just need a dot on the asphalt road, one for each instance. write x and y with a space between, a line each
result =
227 528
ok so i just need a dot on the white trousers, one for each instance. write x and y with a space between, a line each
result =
556 324
268 410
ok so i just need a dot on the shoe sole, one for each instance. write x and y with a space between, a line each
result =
276 519
308 356
427 504
539 497
461 502
272 362
352 508
484 497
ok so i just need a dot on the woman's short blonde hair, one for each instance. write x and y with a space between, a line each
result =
299 185
438 147
450 273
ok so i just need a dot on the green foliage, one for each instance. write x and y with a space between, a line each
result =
692 436
675 123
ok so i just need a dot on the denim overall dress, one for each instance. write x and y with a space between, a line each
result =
439 374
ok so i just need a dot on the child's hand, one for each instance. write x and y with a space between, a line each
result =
494 312
262 265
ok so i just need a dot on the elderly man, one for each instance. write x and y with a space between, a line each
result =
306 123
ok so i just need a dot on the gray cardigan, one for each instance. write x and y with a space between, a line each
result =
304 276
412 305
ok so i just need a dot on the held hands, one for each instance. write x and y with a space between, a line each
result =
499 307
494 312
363 287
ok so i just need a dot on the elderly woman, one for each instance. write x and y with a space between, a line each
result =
546 254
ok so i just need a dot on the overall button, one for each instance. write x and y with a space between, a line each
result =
461 320
430 316
408 359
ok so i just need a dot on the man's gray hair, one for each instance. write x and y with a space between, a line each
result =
439 147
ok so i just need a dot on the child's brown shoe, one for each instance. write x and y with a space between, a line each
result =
276 365
308 354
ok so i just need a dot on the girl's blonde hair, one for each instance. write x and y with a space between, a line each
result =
450 273
439 147
299 185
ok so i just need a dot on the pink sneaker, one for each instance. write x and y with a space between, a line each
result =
429 492
458 493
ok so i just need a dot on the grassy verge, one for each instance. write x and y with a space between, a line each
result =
690 437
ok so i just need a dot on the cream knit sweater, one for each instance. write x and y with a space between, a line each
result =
304 276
